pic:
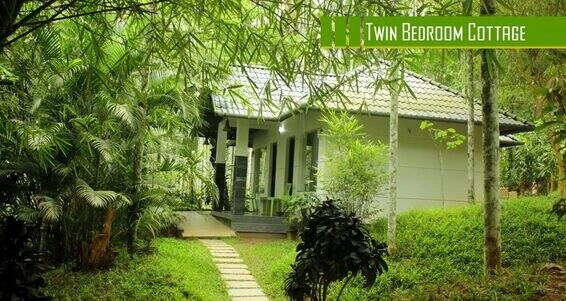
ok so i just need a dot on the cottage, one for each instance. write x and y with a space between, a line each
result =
273 131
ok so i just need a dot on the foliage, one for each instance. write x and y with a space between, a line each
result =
439 255
335 245
297 207
20 267
530 165
178 269
447 138
559 208
355 167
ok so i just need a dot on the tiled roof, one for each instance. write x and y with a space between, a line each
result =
255 92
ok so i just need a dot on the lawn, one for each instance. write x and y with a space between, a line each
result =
178 270
440 256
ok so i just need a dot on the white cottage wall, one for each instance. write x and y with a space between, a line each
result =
419 170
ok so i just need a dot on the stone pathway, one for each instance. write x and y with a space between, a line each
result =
203 225
239 281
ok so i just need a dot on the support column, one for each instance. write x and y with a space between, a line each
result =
299 163
240 172
220 167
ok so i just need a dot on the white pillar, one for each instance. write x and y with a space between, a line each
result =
221 138
240 168
242 136
299 163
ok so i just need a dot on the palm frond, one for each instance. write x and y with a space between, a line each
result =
49 208
99 198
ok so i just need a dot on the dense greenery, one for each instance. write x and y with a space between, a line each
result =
530 167
355 167
101 107
440 255
177 270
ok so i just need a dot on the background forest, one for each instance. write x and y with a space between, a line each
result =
101 104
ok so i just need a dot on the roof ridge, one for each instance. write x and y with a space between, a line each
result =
354 72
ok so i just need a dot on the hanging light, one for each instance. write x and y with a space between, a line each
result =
226 126
281 128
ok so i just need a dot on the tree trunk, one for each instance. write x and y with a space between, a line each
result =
492 227
136 180
393 163
470 92
99 251
441 164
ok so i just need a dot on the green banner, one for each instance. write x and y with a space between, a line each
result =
443 32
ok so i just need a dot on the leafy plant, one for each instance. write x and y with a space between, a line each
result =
444 139
335 246
297 207
532 164
355 167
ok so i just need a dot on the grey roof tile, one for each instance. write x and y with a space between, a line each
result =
255 92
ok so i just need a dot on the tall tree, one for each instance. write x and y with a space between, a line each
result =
394 89
470 93
492 220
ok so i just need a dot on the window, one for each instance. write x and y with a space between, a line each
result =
260 170
311 160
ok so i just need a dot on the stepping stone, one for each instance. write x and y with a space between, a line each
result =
255 298
219 245
235 271
225 255
227 260
242 284
231 266
221 249
245 292
236 277
213 242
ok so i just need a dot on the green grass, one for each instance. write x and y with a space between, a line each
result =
268 261
178 270
440 255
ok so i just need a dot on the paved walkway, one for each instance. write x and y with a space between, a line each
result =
197 224
239 281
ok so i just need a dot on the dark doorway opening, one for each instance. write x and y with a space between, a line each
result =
290 165
272 169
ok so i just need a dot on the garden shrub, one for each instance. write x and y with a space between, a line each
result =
297 207
355 167
335 246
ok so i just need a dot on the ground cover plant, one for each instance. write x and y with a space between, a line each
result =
177 270
439 256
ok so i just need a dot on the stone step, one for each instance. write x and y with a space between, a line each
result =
231 266
242 284
236 277
222 251
255 298
235 271
213 242
225 255
245 292
221 248
227 260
